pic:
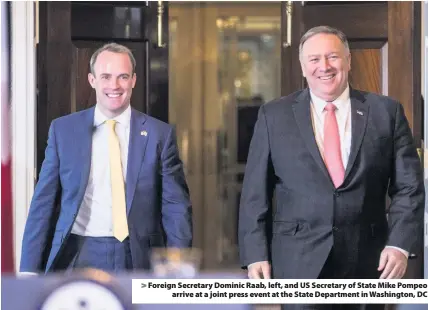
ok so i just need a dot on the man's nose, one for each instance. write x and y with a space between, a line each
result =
114 83
324 64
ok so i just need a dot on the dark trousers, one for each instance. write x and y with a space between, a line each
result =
332 270
104 253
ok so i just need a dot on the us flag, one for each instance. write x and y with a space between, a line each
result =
7 233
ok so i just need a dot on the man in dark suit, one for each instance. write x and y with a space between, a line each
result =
120 181
330 154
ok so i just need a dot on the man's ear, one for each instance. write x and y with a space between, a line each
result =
134 79
349 61
91 80
303 69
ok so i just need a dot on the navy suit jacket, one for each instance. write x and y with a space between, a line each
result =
157 197
310 217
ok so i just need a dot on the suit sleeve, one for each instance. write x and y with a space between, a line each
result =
40 216
255 207
406 214
176 205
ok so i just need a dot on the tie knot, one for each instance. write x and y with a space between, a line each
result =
111 123
330 107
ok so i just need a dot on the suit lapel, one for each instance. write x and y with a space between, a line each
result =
83 134
359 116
136 151
302 113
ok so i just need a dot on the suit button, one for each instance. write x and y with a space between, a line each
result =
336 194
335 228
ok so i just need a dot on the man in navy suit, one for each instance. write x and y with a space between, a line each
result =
148 192
330 155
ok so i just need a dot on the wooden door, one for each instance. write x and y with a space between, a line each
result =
69 32
384 39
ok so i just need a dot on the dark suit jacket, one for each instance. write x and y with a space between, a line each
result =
157 197
310 215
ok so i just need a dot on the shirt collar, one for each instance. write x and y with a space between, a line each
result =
124 118
340 102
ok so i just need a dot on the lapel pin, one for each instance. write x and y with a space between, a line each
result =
144 133
359 112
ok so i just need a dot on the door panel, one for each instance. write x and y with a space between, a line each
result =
404 61
85 96
357 20
108 20
366 70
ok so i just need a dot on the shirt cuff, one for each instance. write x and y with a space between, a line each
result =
27 274
399 249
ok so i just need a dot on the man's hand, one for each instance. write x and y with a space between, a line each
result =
393 263
259 270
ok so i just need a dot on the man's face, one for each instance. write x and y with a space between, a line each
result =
113 82
325 64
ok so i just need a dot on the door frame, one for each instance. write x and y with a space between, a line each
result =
23 122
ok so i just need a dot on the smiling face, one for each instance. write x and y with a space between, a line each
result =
113 81
325 64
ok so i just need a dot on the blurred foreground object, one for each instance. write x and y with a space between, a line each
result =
90 289
175 262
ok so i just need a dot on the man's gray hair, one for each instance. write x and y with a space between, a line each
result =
326 30
114 48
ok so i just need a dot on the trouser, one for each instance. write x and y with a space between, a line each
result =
104 253
333 270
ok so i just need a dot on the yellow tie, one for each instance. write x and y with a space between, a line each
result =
120 224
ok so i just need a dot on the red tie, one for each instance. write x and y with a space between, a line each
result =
332 151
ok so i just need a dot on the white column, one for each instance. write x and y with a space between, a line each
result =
23 114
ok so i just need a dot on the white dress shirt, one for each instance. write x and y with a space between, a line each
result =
95 214
344 120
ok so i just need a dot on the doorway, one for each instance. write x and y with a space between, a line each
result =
225 61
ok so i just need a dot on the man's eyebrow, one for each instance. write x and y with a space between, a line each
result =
318 55
121 74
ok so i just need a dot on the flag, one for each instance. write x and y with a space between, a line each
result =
7 233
